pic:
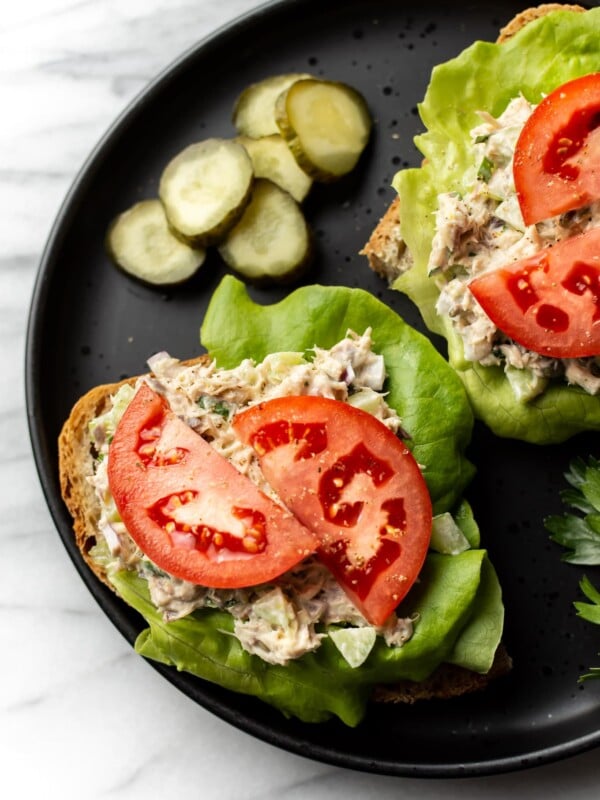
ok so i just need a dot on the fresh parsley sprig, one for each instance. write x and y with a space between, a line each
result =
580 534
591 613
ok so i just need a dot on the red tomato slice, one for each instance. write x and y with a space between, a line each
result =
549 302
189 510
349 479
557 157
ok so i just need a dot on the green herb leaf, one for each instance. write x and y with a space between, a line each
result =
486 168
593 673
579 533
211 404
591 613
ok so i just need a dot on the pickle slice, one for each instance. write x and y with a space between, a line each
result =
254 109
141 243
205 189
271 243
273 159
326 125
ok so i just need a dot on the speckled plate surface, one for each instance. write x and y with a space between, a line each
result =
90 324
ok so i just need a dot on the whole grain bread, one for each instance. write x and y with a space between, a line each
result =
76 464
385 246
524 17
76 458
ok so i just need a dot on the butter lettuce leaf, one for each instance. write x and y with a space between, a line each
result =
425 392
477 643
456 601
321 684
547 52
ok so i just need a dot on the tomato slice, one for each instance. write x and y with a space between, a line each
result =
557 156
190 510
549 302
349 479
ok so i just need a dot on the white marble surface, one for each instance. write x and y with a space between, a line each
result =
80 714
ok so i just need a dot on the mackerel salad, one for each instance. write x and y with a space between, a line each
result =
281 620
484 230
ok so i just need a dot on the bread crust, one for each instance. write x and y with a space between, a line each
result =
385 244
525 17
76 463
447 681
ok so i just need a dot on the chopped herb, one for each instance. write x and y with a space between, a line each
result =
221 409
482 138
484 173
458 271
151 567
217 406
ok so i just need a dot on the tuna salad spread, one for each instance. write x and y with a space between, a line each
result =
279 621
484 230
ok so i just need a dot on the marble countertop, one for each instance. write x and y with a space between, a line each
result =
80 714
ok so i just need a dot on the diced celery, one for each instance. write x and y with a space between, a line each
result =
354 644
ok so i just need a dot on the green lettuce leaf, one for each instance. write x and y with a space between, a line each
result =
477 643
426 394
457 599
322 684
485 76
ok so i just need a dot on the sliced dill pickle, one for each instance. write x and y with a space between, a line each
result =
271 243
326 125
254 109
205 189
273 159
141 243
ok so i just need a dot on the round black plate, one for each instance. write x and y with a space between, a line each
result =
91 324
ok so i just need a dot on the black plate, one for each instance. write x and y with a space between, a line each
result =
91 324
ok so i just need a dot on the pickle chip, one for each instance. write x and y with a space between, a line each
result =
273 159
326 124
271 243
254 109
141 243
205 189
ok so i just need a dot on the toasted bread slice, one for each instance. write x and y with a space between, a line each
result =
445 682
76 464
385 246
525 17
